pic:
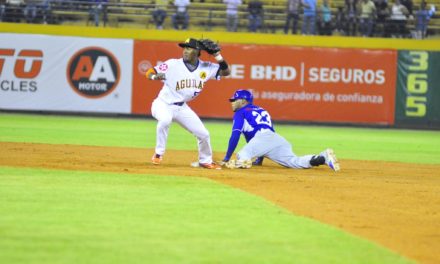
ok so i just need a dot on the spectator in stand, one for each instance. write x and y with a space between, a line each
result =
255 9
232 14
99 7
423 15
293 8
2 9
160 13
383 14
398 19
46 11
366 17
350 11
409 6
340 21
13 10
309 17
180 19
30 10
325 19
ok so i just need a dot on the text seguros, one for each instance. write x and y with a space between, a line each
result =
355 76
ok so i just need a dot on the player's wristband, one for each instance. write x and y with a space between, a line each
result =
223 65
218 57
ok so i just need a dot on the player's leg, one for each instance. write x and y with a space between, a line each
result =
284 155
257 147
163 113
189 120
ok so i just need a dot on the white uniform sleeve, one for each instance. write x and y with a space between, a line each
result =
165 66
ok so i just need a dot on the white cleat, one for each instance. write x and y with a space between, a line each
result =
239 164
330 159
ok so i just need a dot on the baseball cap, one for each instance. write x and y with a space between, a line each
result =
190 43
242 94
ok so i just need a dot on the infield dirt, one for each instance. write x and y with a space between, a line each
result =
393 204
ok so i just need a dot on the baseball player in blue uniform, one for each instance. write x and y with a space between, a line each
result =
262 140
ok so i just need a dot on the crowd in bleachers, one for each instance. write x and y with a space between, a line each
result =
368 18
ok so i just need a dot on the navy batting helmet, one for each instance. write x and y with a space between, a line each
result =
242 94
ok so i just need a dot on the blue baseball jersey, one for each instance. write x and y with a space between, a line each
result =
247 120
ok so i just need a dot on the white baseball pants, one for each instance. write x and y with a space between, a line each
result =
165 114
275 147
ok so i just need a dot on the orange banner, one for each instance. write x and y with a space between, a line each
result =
292 83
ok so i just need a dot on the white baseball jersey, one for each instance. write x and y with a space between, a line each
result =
182 84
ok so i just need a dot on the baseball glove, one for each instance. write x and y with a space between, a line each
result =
209 46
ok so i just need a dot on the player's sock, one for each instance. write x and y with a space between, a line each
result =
317 160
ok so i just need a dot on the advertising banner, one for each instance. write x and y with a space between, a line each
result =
418 88
292 83
53 73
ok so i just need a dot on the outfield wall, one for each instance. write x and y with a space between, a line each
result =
301 79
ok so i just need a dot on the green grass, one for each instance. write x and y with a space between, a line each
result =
349 143
51 216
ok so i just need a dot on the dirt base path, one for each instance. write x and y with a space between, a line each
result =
396 205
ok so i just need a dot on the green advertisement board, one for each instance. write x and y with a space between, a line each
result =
418 89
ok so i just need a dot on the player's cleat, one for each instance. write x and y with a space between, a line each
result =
330 159
239 164
211 166
156 159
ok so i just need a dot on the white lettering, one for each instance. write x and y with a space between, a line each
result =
380 79
295 96
357 76
324 75
257 72
314 76
102 70
237 71
369 76
359 98
86 86
336 75
289 73
273 74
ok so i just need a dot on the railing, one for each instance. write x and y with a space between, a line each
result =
203 16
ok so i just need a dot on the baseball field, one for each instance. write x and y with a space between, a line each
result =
83 190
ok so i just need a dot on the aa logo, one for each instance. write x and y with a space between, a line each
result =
93 72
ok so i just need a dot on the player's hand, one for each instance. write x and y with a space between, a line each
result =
209 46
222 163
160 76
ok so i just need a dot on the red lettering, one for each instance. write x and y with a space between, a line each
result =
19 69
83 69
5 52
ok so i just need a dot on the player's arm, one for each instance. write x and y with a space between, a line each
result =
214 49
235 136
224 69
233 142
152 74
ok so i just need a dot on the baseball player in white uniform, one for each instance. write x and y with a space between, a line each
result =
183 80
